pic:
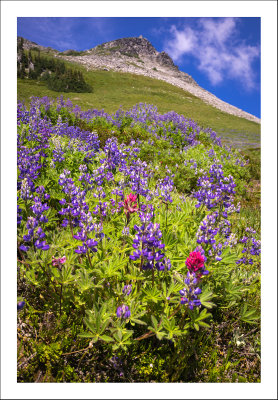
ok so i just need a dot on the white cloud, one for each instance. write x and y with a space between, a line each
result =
217 31
218 49
184 42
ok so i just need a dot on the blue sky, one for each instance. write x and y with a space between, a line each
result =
221 54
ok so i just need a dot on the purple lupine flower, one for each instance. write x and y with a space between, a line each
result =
23 247
41 245
20 305
208 229
125 231
123 312
35 233
252 247
215 189
164 188
25 190
19 217
127 289
191 292
148 246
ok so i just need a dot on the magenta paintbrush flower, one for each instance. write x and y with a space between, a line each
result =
58 262
130 205
195 261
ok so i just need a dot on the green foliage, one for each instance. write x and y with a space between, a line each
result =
71 328
73 53
54 72
69 81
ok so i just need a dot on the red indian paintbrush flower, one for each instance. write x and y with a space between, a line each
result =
130 205
58 262
195 261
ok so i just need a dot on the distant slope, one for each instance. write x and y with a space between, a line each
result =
114 89
138 56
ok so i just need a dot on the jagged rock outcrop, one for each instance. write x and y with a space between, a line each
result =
28 44
133 46
164 59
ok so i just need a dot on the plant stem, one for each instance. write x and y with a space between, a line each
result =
61 298
89 258
71 226
153 270
77 351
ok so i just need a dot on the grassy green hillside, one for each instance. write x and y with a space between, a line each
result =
113 89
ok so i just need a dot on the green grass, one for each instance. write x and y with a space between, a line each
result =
112 89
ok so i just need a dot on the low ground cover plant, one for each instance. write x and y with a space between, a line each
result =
130 247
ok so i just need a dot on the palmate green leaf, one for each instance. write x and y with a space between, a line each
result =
172 329
178 277
189 241
229 257
52 217
110 268
136 313
203 315
172 291
85 282
122 339
168 324
134 274
169 239
197 318
249 315
127 335
98 320
205 298
160 335
106 338
33 278
154 321
156 329
234 292
118 335
66 275
152 295
137 321
91 325
86 335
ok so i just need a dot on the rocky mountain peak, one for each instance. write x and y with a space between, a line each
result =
135 47
132 46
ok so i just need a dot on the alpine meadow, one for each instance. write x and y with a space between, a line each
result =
138 221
